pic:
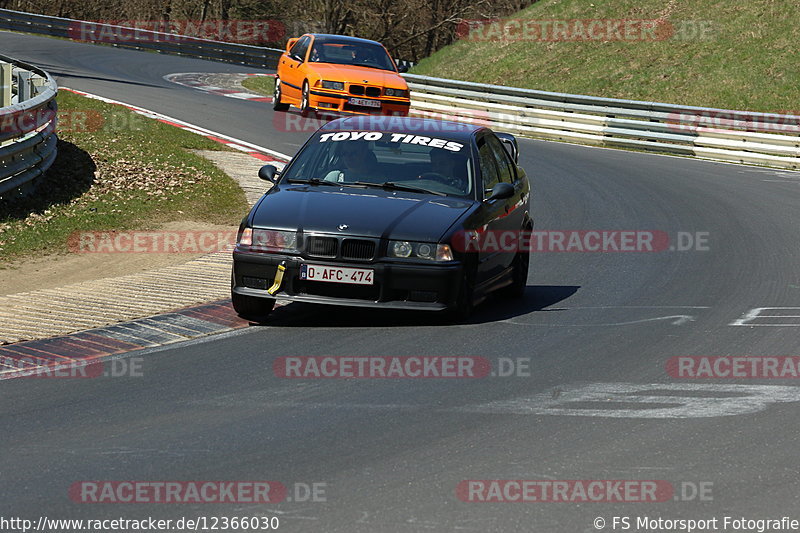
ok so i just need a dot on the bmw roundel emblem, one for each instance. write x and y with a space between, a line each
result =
343 227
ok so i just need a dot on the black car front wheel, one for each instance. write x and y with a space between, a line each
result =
464 304
252 308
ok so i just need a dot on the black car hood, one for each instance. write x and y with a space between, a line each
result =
364 212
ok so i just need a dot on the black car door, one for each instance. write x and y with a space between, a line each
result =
516 206
499 220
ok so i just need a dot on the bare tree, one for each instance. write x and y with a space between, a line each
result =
410 29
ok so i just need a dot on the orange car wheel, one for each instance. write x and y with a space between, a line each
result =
277 105
305 102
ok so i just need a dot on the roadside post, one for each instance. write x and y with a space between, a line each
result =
5 84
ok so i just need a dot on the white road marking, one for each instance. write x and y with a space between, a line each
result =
756 314
657 400
599 400
675 320
244 96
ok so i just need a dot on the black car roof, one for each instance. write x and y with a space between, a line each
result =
411 125
323 37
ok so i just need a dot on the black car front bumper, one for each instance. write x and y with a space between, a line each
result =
397 285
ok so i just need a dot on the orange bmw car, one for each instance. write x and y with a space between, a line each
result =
335 73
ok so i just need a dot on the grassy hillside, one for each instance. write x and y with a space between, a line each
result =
747 57
116 170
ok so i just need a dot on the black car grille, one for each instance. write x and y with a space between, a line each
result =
321 246
358 250
344 248
360 90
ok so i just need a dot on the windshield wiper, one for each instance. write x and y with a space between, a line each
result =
398 187
371 66
313 181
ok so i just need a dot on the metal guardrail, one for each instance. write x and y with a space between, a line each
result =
709 133
27 126
140 39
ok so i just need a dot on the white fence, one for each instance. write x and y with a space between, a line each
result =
736 136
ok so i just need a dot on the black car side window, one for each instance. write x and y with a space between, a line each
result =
507 173
299 49
489 172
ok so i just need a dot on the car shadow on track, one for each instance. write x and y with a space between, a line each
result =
495 309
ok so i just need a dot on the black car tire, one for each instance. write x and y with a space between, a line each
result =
305 107
464 305
251 307
519 275
277 105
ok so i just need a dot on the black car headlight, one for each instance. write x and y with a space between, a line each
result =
396 92
268 240
420 250
335 85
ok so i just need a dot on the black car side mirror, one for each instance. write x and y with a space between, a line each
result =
501 191
268 173
403 67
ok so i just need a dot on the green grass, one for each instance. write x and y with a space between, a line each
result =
260 84
748 59
121 171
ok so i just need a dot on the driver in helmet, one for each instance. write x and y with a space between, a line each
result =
449 165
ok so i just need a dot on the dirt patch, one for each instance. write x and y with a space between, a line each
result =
56 270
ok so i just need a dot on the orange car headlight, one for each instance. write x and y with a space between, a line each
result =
396 92
335 85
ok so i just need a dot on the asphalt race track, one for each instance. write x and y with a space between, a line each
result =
391 452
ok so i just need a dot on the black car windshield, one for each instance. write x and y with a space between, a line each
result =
345 52
406 160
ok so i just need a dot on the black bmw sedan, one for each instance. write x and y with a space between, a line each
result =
390 212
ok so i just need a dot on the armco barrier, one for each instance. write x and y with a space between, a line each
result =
736 136
27 127
165 43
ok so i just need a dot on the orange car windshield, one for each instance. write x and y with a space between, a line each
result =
350 53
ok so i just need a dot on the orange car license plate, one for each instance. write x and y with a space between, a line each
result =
364 102
353 276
